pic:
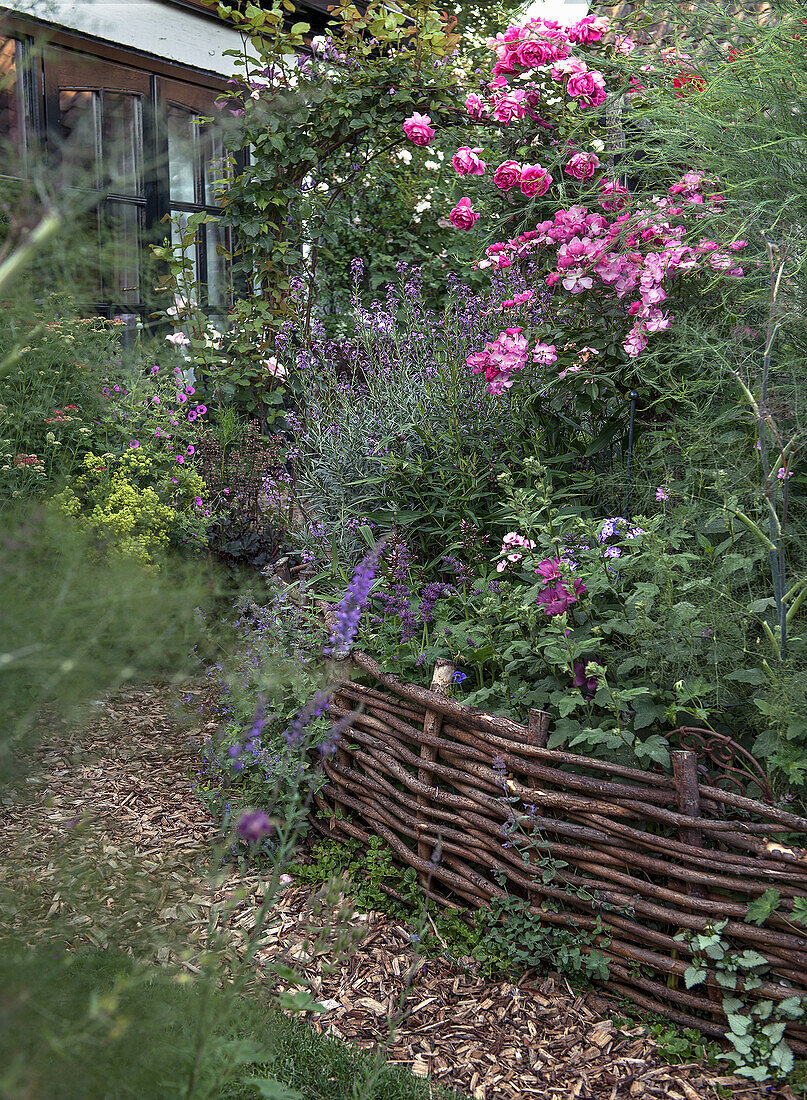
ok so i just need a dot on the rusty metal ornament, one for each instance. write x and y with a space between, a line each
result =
735 765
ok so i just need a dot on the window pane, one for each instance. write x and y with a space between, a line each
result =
121 252
12 97
123 142
79 113
191 252
183 155
218 291
216 167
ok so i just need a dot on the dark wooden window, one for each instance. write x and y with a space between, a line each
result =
132 133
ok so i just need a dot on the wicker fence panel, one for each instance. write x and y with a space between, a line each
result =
646 855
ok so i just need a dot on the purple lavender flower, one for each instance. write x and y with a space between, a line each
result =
430 595
314 708
354 601
253 826
329 745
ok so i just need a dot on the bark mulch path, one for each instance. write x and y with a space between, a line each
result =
116 806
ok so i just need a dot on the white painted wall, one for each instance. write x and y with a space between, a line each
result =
565 11
149 26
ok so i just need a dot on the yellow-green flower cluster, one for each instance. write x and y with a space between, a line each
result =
117 498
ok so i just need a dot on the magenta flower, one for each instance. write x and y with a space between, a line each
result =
418 129
190 450
155 370
549 569
134 444
201 409
662 493
253 826
155 400
198 502
190 391
462 216
181 398
191 416
180 460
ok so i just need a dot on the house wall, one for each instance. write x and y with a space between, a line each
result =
153 27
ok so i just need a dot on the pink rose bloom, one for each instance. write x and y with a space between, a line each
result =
474 106
567 67
418 129
544 354
614 195
178 339
507 175
534 180
462 216
588 88
582 166
589 29
508 107
532 53
467 162
625 45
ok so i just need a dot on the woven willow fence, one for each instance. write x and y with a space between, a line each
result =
644 856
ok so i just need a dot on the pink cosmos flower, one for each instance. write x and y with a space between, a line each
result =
544 354
418 129
273 367
507 175
467 163
587 88
462 216
534 180
582 166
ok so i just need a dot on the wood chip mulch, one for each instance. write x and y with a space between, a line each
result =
117 803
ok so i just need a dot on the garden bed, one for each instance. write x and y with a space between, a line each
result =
639 863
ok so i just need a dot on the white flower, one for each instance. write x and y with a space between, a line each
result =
422 206
404 155
597 144
432 165
440 154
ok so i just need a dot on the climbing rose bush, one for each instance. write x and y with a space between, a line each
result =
605 258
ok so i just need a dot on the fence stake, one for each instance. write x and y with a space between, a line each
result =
538 728
432 724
